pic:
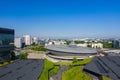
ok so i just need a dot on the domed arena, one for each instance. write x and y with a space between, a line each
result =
67 52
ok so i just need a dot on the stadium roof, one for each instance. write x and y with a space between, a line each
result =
70 49
108 66
29 69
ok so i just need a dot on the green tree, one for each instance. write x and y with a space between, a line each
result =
24 56
74 60
79 42
39 48
68 42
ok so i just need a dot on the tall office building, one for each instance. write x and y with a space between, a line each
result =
27 39
6 44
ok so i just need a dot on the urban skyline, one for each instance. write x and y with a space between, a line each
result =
66 19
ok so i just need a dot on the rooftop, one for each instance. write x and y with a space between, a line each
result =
28 69
70 49
108 66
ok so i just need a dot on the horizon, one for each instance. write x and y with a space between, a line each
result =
88 18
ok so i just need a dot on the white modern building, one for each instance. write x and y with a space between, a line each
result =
36 40
18 42
97 45
27 39
56 43
82 45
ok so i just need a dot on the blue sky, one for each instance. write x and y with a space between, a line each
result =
62 18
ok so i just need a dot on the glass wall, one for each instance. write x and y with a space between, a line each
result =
6 39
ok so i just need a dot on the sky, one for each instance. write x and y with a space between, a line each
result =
62 18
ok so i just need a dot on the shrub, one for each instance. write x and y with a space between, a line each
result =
24 56
75 60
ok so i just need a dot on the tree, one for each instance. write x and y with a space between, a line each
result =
24 56
79 42
68 42
75 60
39 48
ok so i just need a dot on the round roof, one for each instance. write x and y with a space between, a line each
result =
70 49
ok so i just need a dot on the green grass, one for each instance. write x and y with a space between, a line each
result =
47 66
85 61
38 48
5 63
64 63
106 78
75 73
54 71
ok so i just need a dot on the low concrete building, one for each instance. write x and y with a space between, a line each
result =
56 43
97 45
82 45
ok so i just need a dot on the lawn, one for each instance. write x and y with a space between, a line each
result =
75 73
82 62
85 61
106 78
54 71
47 66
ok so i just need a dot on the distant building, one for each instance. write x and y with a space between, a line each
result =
19 43
116 43
97 45
82 45
67 52
27 39
36 40
6 44
56 43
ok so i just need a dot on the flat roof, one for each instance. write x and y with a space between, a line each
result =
108 66
6 30
28 69
70 49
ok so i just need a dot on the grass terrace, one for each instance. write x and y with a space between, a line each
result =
75 73
82 62
49 70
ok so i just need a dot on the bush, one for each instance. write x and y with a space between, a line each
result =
38 48
75 60
24 56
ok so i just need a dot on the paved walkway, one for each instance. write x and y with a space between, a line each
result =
35 56
58 76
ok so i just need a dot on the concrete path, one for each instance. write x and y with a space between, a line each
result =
58 76
35 56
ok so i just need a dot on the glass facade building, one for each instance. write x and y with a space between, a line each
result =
6 44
